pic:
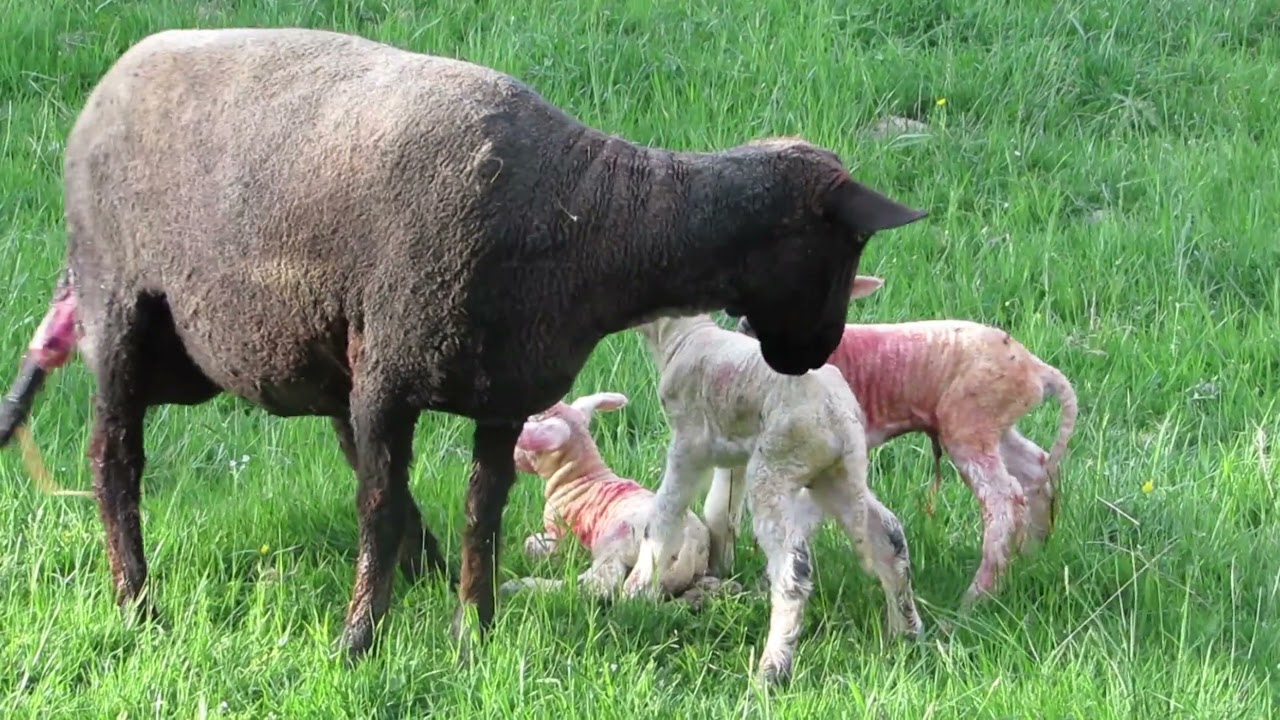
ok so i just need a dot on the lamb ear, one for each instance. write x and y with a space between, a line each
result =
864 211
864 285
543 436
604 401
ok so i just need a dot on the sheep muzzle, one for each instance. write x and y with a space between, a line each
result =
789 352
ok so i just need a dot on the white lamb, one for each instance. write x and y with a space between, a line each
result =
727 409
965 385
605 512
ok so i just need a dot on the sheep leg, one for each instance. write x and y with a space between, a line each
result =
680 482
492 475
782 526
1003 514
419 545
1025 461
116 452
881 544
383 436
723 517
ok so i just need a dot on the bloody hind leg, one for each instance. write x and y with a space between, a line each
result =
138 362
1003 510
1026 461
492 475
419 546
116 454
383 444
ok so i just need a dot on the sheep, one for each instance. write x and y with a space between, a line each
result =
965 385
788 434
605 512
328 226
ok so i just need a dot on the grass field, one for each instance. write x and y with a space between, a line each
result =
1094 171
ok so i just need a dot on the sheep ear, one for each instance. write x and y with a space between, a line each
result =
864 285
604 401
864 211
543 436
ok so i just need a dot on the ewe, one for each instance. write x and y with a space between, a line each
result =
329 226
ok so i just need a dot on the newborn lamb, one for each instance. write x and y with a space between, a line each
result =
605 512
965 385
788 433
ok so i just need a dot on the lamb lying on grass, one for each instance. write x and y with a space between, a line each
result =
726 408
605 512
965 385
324 225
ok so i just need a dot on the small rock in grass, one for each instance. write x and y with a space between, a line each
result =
894 125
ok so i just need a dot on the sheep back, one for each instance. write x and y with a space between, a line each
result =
308 203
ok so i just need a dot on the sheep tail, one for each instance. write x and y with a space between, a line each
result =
50 348
1057 384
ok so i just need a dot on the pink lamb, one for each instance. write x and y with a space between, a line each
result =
965 385
605 512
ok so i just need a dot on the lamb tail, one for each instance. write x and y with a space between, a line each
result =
1057 384
50 348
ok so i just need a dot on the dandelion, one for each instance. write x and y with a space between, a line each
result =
942 102
264 549
1148 486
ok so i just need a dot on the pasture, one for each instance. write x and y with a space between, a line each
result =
1095 173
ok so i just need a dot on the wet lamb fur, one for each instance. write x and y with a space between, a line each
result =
965 385
584 498
329 226
798 444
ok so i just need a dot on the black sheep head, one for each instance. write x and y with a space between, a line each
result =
794 290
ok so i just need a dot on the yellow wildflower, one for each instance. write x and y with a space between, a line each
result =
1148 486
941 102
264 549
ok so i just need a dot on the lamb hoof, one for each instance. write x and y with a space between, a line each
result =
535 547
695 599
973 597
512 587
714 585
640 586
775 673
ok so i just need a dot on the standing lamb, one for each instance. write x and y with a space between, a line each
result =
329 226
789 435
965 385
605 512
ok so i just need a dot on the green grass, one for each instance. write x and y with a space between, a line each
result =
1096 179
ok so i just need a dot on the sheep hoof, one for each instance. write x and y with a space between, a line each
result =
357 639
141 612
466 633
775 674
